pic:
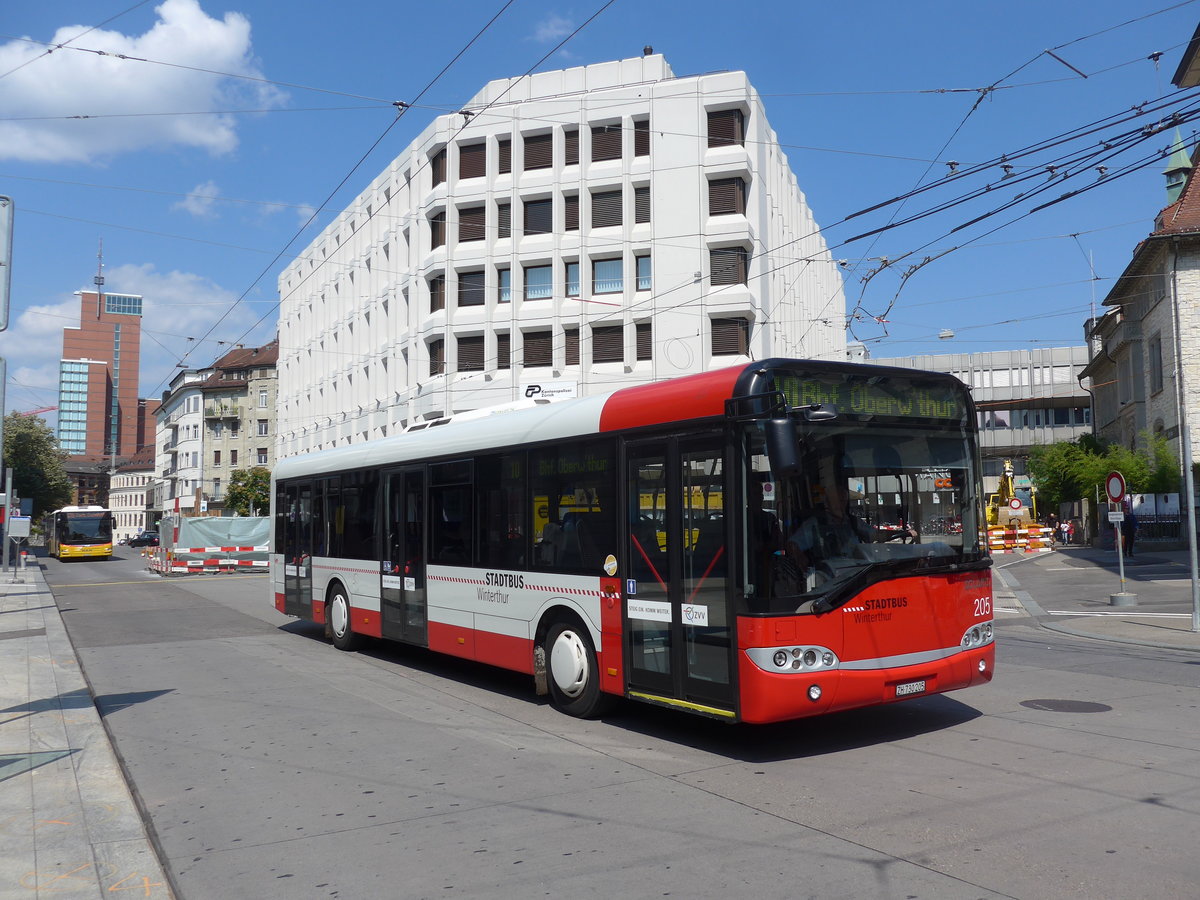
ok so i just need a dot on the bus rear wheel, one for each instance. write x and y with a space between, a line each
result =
574 676
337 614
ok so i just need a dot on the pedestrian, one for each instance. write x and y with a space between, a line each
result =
1064 532
1071 531
1129 532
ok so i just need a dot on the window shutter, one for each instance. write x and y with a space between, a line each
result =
641 204
437 357
726 197
503 220
472 161
437 293
606 209
727 265
571 148
539 151
571 212
437 167
504 351
641 137
539 216
437 230
471 224
726 127
539 351
504 155
470 289
606 142
571 338
470 354
608 344
645 342
730 337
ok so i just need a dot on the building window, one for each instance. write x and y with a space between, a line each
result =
644 280
539 151
571 147
504 351
437 167
503 220
503 286
216 457
727 265
1155 364
539 284
641 204
437 293
216 488
606 142
472 161
641 137
571 346
608 343
726 127
572 286
539 349
539 216
470 289
262 456
504 155
232 457
730 337
607 277
470 354
262 399
437 230
645 341
606 209
437 357
727 197
471 224
263 427
571 212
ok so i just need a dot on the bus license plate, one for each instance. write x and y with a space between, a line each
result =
912 687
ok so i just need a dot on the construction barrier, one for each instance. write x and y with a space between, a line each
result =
1019 538
177 562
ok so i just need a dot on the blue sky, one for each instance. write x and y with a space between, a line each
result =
196 181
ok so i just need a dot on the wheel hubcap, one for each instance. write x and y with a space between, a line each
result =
569 664
338 615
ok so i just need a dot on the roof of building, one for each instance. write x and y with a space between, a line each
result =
238 360
143 459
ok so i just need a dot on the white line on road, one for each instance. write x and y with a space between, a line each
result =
1107 612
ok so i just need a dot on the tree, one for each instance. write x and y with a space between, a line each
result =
249 489
31 451
1071 470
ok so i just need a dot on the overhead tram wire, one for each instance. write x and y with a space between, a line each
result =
63 45
504 93
402 108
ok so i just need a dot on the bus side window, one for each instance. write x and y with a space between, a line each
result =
450 513
500 493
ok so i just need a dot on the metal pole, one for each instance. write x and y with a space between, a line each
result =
8 497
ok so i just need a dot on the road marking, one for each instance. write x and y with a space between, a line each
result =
1107 612
157 581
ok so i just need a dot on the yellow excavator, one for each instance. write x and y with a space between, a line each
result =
1012 517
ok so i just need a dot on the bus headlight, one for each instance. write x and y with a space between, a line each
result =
793 659
978 636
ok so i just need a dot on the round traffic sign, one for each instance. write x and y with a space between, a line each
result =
1115 485
1014 504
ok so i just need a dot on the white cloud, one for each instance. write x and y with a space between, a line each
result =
71 82
552 28
200 201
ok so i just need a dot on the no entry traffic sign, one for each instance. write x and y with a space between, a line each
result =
1115 485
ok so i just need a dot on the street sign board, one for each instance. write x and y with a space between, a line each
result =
1115 485
1115 516
1014 504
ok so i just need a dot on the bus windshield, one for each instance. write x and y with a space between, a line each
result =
867 495
85 527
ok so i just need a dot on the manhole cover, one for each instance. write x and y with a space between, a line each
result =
1068 706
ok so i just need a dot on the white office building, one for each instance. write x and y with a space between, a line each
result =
565 234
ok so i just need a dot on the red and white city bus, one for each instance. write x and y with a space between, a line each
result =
758 543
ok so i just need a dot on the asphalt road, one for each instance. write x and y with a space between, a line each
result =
272 765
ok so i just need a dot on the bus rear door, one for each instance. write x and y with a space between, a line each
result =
680 634
297 550
402 587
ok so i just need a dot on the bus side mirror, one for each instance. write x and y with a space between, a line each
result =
782 446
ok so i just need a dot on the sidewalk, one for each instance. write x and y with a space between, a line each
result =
70 826
1079 603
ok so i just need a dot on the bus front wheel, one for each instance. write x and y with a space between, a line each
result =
574 676
337 614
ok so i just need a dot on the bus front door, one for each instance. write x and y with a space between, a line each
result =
402 590
297 551
680 636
